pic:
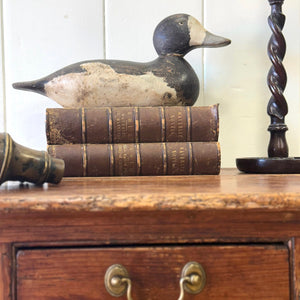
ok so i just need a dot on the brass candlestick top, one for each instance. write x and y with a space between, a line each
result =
24 164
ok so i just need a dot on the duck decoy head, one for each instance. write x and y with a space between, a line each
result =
178 34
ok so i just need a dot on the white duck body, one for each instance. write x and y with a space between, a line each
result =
101 85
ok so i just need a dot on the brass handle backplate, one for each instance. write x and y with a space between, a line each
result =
193 279
117 281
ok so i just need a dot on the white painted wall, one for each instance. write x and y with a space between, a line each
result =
41 36
2 78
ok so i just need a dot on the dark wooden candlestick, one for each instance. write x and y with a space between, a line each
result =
277 78
278 160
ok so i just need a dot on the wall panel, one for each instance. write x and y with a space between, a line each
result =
41 37
292 65
2 90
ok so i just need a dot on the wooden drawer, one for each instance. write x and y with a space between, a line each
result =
233 272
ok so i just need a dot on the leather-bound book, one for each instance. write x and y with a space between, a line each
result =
182 158
132 125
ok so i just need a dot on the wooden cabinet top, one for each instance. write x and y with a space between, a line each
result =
229 190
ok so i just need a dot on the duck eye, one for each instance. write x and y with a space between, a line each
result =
180 23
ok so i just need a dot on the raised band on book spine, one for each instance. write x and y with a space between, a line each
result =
132 125
182 158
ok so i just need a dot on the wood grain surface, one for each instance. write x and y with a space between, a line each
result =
233 272
232 219
230 190
295 268
6 262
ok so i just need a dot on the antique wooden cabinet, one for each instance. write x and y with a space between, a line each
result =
57 242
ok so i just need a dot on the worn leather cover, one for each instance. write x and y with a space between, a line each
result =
182 158
132 125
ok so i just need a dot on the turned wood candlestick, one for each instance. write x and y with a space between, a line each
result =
277 160
277 78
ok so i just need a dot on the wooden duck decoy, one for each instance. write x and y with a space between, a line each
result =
168 80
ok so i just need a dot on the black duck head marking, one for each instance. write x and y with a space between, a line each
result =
178 34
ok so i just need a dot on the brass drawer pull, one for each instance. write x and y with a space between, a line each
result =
193 279
117 281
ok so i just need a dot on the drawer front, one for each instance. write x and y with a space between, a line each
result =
232 272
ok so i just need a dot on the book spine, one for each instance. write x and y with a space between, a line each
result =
132 125
185 158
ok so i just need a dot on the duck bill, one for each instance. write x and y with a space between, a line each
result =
214 41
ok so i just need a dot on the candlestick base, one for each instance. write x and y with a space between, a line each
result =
269 165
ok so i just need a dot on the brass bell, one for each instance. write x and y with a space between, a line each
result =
24 164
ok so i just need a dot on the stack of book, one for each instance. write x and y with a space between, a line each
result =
130 141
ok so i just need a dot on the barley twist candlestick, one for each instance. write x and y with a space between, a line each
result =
277 107
278 160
